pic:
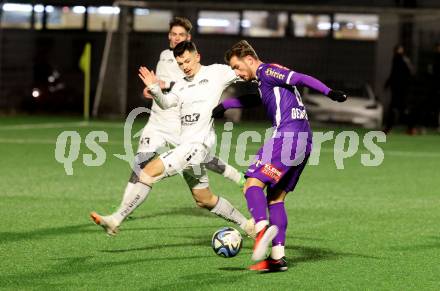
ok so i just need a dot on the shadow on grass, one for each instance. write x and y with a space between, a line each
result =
233 269
189 244
6 237
290 238
166 228
69 266
204 281
435 244
304 254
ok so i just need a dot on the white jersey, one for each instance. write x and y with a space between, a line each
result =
168 71
196 98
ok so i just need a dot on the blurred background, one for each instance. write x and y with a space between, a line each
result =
351 45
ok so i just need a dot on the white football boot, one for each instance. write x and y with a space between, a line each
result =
264 238
107 223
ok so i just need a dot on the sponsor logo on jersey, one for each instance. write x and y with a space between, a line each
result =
273 73
192 85
189 119
270 171
298 113
203 82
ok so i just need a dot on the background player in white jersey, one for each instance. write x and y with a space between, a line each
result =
194 97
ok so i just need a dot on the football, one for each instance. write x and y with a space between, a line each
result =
226 242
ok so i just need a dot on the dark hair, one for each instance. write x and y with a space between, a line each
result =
181 21
184 46
240 50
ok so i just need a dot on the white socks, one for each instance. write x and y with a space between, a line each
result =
127 191
260 225
225 210
277 252
232 174
131 200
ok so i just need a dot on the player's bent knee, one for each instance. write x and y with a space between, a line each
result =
140 161
250 182
276 196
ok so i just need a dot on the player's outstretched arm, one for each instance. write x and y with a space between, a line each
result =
153 84
313 83
336 95
244 101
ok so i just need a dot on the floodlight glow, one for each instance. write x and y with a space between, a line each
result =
140 11
49 9
17 7
246 23
35 93
324 25
363 27
39 8
213 22
79 9
108 10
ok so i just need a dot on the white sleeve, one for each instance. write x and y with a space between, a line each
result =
164 101
161 71
226 74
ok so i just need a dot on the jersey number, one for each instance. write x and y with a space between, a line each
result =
191 117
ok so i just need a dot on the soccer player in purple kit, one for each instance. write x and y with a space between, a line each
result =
274 168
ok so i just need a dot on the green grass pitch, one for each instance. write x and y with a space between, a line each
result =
361 228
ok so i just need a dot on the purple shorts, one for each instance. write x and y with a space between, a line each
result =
280 161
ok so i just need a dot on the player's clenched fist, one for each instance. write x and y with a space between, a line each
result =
336 95
147 76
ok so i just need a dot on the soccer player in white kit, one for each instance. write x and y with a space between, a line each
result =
184 158
164 125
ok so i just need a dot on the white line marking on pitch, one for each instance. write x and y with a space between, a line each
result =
60 125
41 141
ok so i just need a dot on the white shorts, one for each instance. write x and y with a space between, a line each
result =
154 139
188 159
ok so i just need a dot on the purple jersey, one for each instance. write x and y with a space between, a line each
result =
281 98
281 160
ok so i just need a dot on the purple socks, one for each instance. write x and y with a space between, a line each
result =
278 217
257 204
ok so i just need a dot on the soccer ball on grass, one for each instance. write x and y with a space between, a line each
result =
226 242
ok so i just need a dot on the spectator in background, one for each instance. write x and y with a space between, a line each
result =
400 84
